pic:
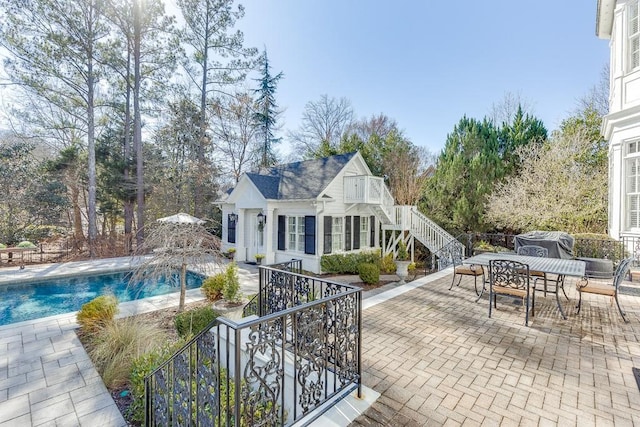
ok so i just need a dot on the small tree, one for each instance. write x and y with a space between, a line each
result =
231 291
173 246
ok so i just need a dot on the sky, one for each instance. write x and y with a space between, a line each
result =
428 63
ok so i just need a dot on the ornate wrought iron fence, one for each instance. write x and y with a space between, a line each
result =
280 368
615 250
253 307
583 247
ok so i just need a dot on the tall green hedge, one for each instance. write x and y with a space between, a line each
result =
348 263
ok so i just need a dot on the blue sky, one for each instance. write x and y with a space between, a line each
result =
427 63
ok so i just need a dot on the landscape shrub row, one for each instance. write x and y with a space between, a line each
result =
348 263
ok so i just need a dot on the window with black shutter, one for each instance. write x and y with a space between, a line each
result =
356 232
372 225
282 232
310 235
231 228
347 233
327 234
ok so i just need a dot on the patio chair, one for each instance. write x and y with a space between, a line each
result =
460 269
597 287
510 278
539 251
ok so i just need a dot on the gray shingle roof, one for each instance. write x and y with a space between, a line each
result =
299 180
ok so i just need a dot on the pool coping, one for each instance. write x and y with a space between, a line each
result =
33 273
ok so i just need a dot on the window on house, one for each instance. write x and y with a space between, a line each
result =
337 242
634 35
633 192
364 232
295 229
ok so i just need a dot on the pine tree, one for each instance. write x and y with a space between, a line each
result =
54 52
218 59
267 112
468 168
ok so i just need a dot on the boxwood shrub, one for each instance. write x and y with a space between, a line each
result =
591 245
348 263
369 273
193 321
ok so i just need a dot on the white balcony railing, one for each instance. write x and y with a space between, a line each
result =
366 189
369 190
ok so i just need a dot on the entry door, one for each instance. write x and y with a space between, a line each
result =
255 234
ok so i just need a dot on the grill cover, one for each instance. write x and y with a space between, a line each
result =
558 243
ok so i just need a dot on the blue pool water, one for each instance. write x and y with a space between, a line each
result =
19 302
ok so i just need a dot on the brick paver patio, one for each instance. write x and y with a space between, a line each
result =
437 359
433 354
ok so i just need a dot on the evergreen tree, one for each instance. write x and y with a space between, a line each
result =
523 129
218 59
55 54
467 169
267 112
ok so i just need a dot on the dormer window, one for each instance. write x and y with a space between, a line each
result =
634 36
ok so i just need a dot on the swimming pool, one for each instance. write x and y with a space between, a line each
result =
28 301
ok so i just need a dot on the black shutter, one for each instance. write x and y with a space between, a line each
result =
310 235
231 229
372 227
328 222
347 233
282 232
356 232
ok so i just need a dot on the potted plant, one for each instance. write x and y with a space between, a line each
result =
230 253
402 262
259 258
232 301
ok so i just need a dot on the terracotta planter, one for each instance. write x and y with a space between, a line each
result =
402 270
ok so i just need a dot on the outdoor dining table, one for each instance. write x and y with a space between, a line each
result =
558 266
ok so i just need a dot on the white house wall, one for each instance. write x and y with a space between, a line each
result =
622 124
247 200
294 208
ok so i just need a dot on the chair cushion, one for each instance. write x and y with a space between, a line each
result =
522 293
592 287
469 270
536 273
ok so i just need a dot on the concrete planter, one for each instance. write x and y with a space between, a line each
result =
402 270
232 311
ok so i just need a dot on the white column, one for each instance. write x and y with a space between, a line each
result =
241 249
616 203
271 225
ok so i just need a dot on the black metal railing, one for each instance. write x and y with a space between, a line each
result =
286 366
252 307
584 247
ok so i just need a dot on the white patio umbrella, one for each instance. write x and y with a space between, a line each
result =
182 218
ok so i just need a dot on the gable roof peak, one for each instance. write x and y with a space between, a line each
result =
305 179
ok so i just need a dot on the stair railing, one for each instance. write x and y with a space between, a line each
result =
428 232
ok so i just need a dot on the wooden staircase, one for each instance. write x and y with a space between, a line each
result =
403 221
408 224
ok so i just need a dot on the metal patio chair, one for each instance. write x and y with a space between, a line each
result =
510 278
599 287
539 251
460 269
